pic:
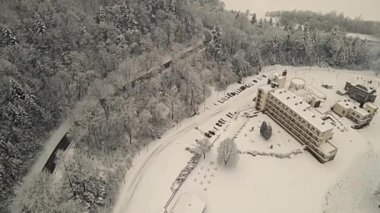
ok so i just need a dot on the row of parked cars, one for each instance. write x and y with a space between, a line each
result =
221 122
236 92
240 89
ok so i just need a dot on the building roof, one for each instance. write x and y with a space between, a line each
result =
303 109
298 81
267 88
327 147
189 204
373 106
347 104
365 87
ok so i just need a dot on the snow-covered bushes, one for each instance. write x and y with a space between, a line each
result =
185 172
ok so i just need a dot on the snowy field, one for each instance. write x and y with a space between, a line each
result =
261 183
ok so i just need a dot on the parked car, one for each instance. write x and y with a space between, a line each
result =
208 135
264 76
211 132
218 124
254 81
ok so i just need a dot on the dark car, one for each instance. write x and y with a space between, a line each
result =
264 76
254 81
223 120
208 135
211 132
243 87
219 125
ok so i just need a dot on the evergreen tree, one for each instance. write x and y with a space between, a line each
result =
261 23
253 19
266 130
215 45
263 128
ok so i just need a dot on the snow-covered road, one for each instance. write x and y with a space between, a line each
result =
154 171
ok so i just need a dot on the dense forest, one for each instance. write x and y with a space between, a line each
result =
78 59
327 21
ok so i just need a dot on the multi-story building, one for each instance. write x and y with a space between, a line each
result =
360 93
298 118
360 116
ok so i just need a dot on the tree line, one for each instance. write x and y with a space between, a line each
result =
327 21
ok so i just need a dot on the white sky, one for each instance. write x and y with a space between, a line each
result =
367 9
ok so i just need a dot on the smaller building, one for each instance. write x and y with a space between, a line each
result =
360 93
278 79
297 84
360 116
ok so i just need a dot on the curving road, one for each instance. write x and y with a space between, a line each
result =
150 177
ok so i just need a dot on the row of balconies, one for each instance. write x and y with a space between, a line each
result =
323 157
301 121
294 124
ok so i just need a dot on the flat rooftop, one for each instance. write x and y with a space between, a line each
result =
328 148
372 105
267 88
351 105
303 109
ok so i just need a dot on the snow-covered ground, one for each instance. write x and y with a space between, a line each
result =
261 183
364 37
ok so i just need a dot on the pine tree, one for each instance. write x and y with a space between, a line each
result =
266 130
215 46
253 19
40 27
261 23
10 37
263 128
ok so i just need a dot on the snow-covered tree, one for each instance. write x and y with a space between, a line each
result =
10 37
202 147
228 154
214 47
40 27
253 19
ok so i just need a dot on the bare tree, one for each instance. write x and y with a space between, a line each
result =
228 153
202 147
